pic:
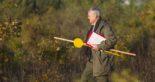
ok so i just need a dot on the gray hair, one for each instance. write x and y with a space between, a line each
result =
96 11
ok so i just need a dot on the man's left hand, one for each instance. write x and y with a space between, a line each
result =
95 47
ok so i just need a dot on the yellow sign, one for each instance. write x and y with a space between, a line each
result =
78 43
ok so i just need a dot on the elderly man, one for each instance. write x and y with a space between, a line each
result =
99 65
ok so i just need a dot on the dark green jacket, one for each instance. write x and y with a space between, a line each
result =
102 62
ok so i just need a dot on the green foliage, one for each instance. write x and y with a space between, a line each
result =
27 45
124 76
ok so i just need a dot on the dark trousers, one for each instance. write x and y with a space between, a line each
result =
87 75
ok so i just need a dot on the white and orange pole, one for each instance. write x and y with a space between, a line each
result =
78 43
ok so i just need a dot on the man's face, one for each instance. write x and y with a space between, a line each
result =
92 17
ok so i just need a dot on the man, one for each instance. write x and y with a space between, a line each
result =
100 63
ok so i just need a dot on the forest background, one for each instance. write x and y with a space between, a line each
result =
28 52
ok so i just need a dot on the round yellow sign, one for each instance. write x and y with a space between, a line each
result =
78 43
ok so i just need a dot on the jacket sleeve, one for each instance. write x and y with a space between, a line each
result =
110 38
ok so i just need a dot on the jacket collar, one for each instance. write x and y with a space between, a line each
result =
97 24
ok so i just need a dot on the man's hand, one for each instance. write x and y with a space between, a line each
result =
95 47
